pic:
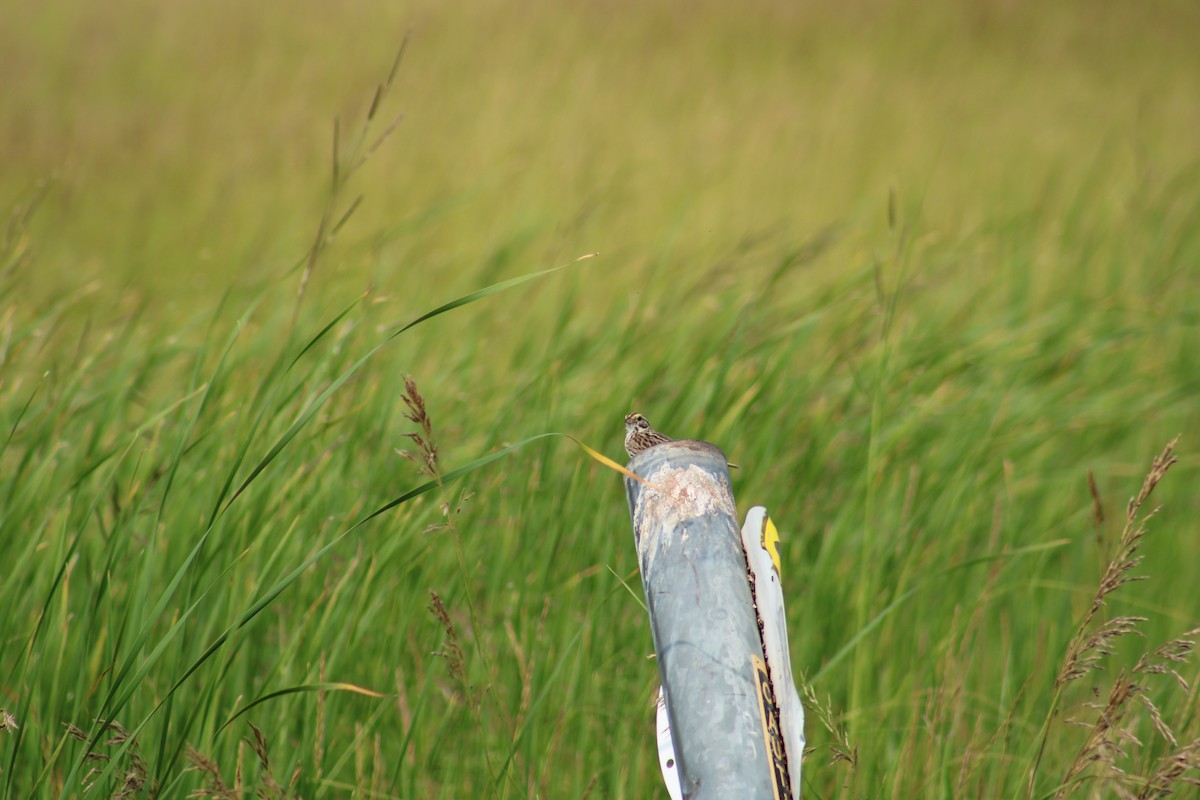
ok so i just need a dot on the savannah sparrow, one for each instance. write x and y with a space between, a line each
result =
640 436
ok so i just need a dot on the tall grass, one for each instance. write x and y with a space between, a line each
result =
276 511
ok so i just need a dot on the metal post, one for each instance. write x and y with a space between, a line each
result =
702 617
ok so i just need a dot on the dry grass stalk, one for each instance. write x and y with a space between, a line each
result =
360 755
208 767
1087 647
1106 738
1097 503
377 762
1093 648
1098 515
1160 662
840 747
1171 772
453 653
426 457
450 513
328 227
1176 651
268 787
1111 734
404 709
319 739
136 777
7 721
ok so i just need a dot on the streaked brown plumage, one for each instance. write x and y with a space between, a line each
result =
640 436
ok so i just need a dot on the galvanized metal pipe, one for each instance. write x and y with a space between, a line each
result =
702 618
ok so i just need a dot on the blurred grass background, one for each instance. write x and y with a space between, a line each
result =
918 268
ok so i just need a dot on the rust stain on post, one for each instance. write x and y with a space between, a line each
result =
675 496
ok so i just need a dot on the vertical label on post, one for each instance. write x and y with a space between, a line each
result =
772 735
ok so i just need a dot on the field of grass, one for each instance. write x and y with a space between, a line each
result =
929 272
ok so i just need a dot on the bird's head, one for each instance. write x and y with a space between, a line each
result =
636 422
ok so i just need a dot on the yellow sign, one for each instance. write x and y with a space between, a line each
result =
770 540
772 733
